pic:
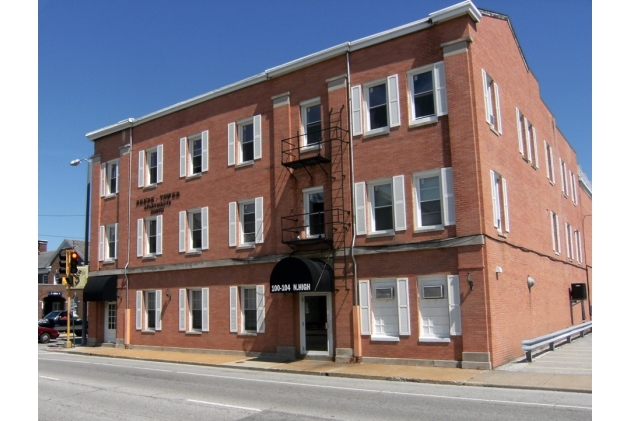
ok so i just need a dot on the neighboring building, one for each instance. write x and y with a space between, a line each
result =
51 293
396 208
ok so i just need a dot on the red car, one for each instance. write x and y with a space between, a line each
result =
45 334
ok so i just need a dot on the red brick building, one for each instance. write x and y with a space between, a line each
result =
415 201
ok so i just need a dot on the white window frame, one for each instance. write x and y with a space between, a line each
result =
393 112
105 248
186 154
579 246
235 223
398 205
144 168
573 190
306 193
549 162
237 315
446 197
304 107
185 234
401 301
235 156
142 238
451 286
531 143
499 194
185 310
492 103
110 171
569 241
439 93
556 232
142 310
564 184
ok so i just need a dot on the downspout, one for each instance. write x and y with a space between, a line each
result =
127 311
357 350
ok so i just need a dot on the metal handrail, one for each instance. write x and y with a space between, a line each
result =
529 345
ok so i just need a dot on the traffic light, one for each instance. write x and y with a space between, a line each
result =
63 264
74 262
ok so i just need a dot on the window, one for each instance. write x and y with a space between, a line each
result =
492 102
556 232
381 106
573 188
194 154
314 212
564 186
386 206
527 139
193 230
569 235
434 199
579 246
311 114
500 203
150 167
43 279
427 95
439 313
247 309
385 317
245 136
109 178
107 242
249 230
549 162
149 310
149 237
193 310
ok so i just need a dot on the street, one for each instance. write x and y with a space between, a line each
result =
98 388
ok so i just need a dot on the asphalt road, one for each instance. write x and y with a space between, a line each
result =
97 388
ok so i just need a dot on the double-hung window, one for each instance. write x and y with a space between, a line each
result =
149 236
564 184
527 139
193 310
380 106
573 190
149 310
245 222
499 194
150 167
244 141
194 155
434 199
314 212
43 279
556 232
311 115
492 102
193 230
427 95
569 237
385 308
549 162
579 246
247 309
107 242
385 207
109 178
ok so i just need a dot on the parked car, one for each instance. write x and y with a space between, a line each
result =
58 320
45 334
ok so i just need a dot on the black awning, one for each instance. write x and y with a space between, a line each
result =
295 274
100 288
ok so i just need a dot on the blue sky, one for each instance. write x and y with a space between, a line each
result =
99 62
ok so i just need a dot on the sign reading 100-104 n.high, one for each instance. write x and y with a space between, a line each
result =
291 287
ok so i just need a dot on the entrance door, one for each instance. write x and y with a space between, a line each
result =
315 323
109 335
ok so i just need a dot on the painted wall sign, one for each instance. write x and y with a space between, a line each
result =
157 204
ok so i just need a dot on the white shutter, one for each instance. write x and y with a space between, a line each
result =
233 310
449 203
360 208
546 149
232 224
356 107
495 199
260 308
520 136
258 216
552 165
554 243
536 149
205 151
528 148
498 123
103 178
568 241
118 180
440 86
205 313
364 307
158 310
404 306
505 193
182 231
183 157
182 310
231 147
205 228
159 234
138 310
558 227
101 243
139 238
455 318
485 84
160 172
141 169
398 190
257 137
116 241
393 101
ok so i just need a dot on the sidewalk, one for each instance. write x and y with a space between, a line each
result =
437 375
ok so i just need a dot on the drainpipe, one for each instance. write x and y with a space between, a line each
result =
357 350
127 311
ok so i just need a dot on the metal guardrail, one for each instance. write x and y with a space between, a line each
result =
550 339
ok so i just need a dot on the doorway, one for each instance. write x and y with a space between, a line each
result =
315 324
109 332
